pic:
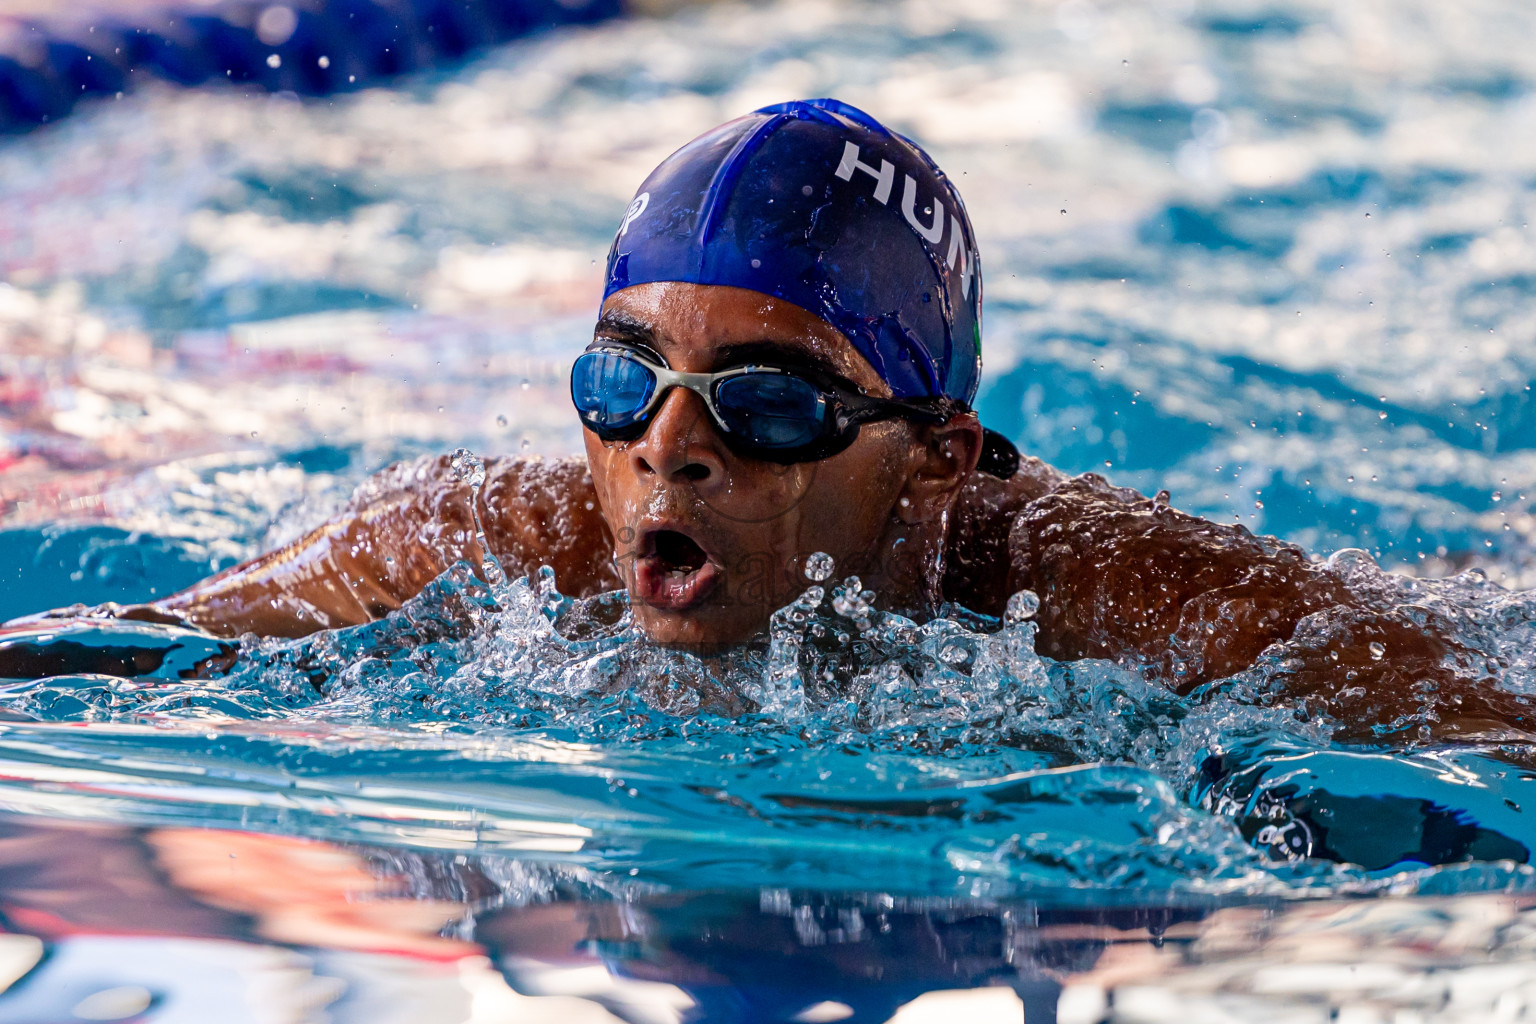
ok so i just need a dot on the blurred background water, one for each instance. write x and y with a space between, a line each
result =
1273 257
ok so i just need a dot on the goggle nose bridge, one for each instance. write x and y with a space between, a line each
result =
701 384
667 378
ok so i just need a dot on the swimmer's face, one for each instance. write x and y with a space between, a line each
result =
710 542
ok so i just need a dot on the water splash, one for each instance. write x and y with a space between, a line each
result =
1021 607
468 468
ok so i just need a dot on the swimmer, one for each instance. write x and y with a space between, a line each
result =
784 364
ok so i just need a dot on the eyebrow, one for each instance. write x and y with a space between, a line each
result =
621 326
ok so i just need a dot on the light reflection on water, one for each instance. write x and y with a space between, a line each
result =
198 924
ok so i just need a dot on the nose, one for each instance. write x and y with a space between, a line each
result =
681 443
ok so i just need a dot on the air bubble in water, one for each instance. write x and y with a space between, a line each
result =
1022 607
818 566
501 421
1377 650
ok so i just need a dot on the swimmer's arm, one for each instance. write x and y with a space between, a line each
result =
1192 601
404 527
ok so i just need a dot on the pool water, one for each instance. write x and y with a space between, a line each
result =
1274 259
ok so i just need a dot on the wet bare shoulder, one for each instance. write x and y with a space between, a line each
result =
1192 601
536 511
1121 576
402 528
976 557
541 511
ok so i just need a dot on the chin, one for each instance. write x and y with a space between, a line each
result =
700 633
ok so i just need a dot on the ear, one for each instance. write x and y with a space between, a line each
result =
944 455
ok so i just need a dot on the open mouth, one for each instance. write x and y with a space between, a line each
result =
674 572
677 553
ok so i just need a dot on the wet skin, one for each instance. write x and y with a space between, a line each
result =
1185 600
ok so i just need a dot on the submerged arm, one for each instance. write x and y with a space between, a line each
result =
402 529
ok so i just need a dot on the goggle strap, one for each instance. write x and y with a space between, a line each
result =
999 457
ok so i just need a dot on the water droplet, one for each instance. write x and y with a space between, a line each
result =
1022 607
274 61
501 421
851 600
324 61
819 566
1377 650
1161 498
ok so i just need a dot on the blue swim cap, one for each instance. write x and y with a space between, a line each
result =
817 203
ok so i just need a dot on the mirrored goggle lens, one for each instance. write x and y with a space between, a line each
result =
771 410
610 390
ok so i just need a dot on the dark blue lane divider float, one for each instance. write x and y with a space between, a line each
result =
309 47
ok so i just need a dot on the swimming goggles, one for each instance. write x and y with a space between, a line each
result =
764 412
773 413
